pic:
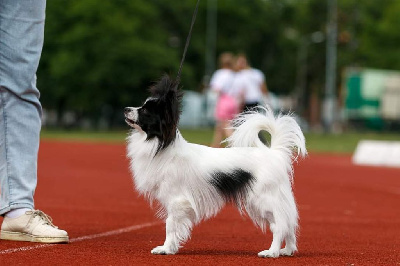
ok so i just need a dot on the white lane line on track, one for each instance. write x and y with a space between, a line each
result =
82 238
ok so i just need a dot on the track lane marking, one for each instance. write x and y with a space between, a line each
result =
83 238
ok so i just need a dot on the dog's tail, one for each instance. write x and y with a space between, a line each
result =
285 132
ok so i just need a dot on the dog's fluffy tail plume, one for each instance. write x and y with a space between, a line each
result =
286 134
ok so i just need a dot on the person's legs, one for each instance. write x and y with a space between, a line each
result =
250 106
218 134
227 128
21 41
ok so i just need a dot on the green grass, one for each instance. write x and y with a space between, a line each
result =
85 136
342 143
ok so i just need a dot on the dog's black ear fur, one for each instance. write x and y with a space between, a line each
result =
169 96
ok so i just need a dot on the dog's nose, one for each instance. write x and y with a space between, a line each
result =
127 110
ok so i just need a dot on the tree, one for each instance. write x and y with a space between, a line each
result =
99 54
106 54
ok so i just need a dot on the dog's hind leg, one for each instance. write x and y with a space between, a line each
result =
278 232
262 211
179 224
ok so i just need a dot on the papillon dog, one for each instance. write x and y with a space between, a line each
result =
193 182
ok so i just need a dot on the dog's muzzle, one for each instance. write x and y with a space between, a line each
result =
131 115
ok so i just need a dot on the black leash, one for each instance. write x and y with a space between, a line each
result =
178 76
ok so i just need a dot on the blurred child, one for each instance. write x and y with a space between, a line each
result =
251 82
229 98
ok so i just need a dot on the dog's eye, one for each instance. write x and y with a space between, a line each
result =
144 110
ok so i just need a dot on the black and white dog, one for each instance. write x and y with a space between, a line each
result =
193 182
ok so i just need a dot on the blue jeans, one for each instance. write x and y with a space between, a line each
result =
21 42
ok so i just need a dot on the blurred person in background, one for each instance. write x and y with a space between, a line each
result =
21 42
229 98
251 82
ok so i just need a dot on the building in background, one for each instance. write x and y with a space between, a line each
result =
371 98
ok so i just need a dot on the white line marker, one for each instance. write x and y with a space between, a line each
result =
82 238
14 250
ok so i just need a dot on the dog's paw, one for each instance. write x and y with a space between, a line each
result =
286 252
161 250
268 254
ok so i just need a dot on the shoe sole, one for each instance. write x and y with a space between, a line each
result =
17 236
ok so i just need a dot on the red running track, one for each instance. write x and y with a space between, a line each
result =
349 215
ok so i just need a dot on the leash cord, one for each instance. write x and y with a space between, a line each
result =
178 76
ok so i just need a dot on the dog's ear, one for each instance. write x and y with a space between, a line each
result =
173 100
165 86
169 96
167 91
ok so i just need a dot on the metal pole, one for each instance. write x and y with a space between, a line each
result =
302 74
211 38
210 58
329 105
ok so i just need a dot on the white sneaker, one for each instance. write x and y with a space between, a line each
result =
33 226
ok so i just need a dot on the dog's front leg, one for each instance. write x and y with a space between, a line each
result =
178 227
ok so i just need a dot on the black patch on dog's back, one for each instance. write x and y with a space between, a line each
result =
234 185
